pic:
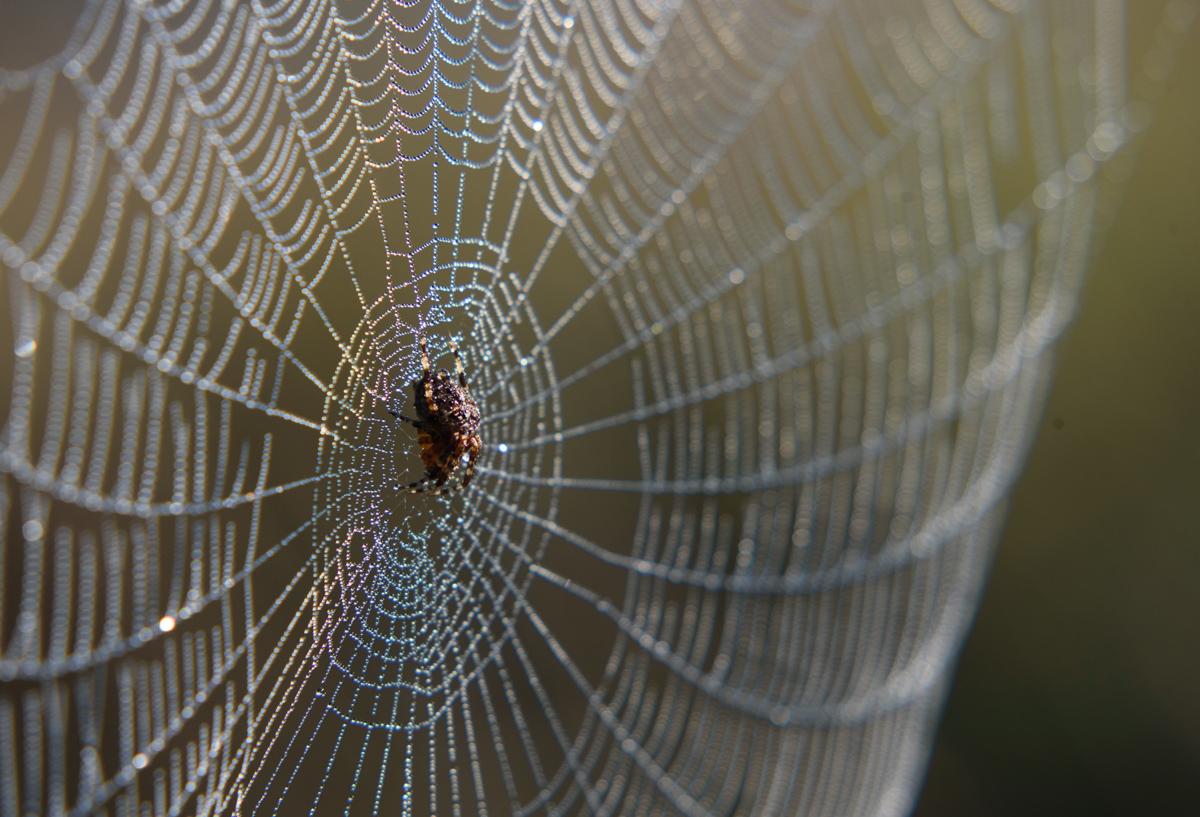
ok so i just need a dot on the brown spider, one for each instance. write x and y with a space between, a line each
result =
447 424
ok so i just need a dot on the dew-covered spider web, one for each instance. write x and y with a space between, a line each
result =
756 298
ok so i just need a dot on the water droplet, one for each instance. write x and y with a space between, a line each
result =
140 761
502 448
166 623
26 348
737 275
1107 138
537 125
32 530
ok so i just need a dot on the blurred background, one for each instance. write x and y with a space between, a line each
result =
1077 691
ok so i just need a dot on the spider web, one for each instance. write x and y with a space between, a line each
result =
756 299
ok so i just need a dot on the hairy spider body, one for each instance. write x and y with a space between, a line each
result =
447 423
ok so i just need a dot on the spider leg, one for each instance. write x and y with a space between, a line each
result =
417 424
420 486
470 472
426 366
426 369
440 488
458 365
447 490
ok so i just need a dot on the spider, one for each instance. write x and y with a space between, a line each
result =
447 424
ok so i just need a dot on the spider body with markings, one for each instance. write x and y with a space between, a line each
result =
447 424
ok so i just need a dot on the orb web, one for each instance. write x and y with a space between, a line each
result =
757 301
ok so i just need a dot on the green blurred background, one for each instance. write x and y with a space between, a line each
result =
1078 691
